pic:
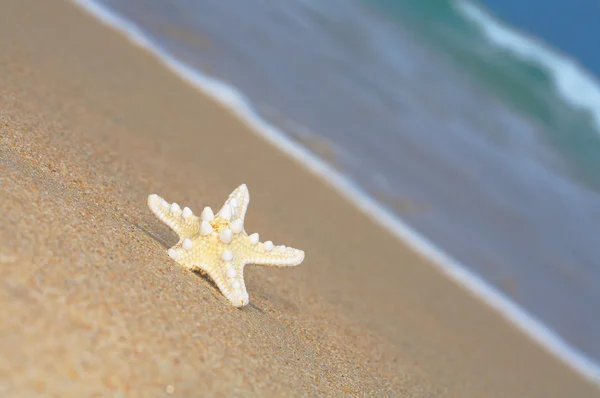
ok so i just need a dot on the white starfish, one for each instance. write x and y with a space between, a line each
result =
219 245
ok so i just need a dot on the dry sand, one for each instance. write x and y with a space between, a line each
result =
92 306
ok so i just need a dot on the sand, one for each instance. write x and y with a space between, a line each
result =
92 305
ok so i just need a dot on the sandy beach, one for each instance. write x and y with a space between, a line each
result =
90 125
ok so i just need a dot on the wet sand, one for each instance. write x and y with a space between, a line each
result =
92 305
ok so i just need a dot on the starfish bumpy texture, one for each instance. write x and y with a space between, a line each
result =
219 245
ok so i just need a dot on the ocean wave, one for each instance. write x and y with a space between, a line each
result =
572 81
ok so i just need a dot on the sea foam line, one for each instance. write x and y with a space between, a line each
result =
575 84
235 100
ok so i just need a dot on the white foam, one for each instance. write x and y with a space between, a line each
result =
233 99
573 82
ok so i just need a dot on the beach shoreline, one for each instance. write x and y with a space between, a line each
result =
91 126
235 101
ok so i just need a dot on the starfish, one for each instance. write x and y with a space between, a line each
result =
218 245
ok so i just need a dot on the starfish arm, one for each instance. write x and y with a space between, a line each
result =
229 278
275 256
188 254
180 255
185 225
238 201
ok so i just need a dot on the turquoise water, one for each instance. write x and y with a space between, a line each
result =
482 139
527 85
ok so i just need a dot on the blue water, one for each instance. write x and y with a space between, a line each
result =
569 26
482 139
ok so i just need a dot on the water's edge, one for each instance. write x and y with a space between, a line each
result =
237 102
